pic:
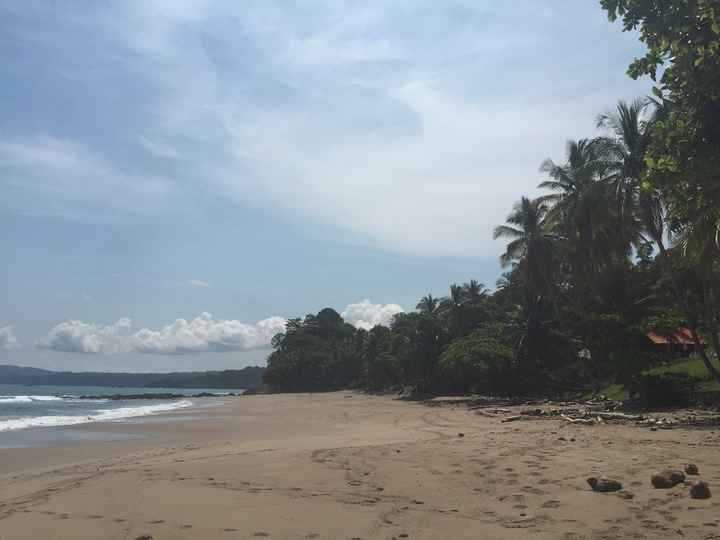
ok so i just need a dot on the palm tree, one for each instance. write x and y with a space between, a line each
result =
532 246
454 301
428 305
474 291
636 208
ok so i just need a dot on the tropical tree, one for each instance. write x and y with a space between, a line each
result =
428 305
532 246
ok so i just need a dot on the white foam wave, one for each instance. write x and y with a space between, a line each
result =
27 399
102 415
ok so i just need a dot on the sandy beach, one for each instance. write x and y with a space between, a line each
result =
352 466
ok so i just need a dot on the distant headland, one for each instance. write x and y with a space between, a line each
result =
247 378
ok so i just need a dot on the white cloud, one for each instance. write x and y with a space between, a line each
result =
367 315
81 337
197 284
201 334
8 341
206 334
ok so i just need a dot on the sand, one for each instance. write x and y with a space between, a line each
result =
351 466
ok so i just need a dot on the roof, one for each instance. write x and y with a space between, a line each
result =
680 336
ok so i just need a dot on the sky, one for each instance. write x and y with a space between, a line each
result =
180 176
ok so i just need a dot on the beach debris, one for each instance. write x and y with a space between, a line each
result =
667 479
511 418
583 421
700 490
604 485
692 469
461 434
619 416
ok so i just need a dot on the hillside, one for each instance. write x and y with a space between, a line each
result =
246 378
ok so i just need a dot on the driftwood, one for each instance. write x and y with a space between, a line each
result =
583 421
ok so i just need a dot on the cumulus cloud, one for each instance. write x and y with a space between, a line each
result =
204 333
8 341
367 315
81 337
197 284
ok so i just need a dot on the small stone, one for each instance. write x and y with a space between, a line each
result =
667 479
700 490
461 434
691 468
604 485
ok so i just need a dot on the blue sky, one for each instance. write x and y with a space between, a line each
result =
164 160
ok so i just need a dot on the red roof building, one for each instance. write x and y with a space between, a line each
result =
681 336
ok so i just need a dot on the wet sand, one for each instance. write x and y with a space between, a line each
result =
350 466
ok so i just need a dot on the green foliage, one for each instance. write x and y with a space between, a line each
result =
313 354
470 363
683 41
665 389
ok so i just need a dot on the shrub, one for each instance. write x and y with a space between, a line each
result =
665 389
471 363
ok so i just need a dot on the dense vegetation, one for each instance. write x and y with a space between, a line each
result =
624 239
246 378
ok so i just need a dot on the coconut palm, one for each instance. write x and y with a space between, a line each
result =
532 245
474 291
637 209
428 305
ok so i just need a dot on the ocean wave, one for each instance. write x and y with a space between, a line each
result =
28 399
101 415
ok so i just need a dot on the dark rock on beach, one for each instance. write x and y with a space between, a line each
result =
700 490
667 479
604 485
692 469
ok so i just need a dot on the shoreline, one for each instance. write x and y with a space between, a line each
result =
347 465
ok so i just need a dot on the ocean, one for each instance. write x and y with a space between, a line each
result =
26 407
